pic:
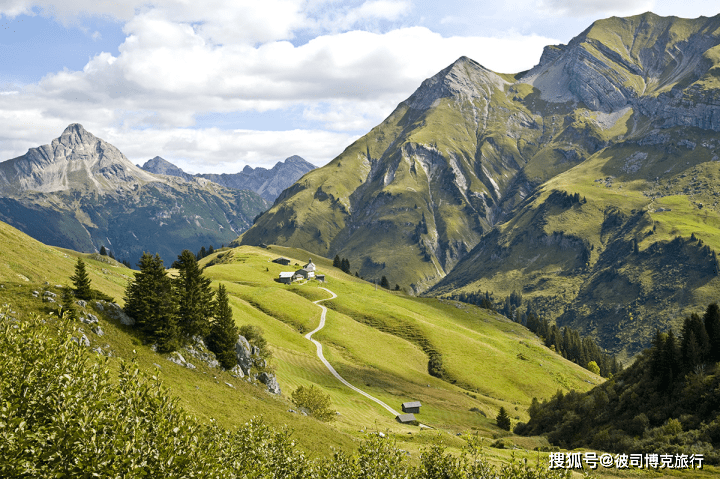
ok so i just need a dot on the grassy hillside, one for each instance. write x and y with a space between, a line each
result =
376 339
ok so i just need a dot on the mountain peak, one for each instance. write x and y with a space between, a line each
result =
75 134
464 79
75 160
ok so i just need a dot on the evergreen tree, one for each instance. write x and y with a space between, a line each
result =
151 302
68 307
195 298
103 251
110 253
223 333
81 281
712 327
345 265
336 262
384 282
503 420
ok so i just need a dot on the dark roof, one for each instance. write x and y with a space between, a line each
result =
405 418
411 404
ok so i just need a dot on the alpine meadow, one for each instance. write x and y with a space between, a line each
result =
513 275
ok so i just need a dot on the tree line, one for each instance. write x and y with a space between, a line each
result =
667 401
565 341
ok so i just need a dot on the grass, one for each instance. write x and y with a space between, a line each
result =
479 349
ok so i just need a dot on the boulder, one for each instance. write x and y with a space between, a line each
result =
177 358
115 311
98 330
89 319
236 371
243 352
268 379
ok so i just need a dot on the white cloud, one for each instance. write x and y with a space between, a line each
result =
183 59
583 8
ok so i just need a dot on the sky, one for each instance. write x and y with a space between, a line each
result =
216 85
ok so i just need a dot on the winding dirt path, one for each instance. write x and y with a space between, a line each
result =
327 364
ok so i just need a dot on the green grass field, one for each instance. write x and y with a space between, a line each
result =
497 362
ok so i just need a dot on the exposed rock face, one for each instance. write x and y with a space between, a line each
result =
76 158
267 183
80 192
244 354
269 380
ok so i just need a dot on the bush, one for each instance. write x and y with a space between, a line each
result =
314 401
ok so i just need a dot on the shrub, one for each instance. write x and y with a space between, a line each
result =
316 403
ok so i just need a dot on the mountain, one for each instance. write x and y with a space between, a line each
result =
585 183
267 183
160 166
80 192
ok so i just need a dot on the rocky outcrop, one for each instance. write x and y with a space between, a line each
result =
249 362
269 380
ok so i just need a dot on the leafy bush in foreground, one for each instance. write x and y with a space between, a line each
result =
63 414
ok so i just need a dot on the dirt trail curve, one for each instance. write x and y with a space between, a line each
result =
327 364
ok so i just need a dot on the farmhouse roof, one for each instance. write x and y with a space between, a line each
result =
405 418
411 404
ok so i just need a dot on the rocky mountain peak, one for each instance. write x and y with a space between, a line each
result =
75 160
75 135
464 79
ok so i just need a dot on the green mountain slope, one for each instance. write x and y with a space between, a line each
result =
82 193
470 184
488 361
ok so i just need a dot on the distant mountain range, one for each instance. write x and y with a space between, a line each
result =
587 184
80 192
267 183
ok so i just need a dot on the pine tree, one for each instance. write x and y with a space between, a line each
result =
151 302
223 333
345 265
103 251
81 281
384 282
336 261
68 308
712 327
503 420
195 298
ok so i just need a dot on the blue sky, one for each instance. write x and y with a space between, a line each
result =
215 85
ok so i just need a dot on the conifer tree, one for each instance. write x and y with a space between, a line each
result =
223 333
68 308
195 298
345 265
103 251
336 262
712 327
151 302
384 282
81 281
502 419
